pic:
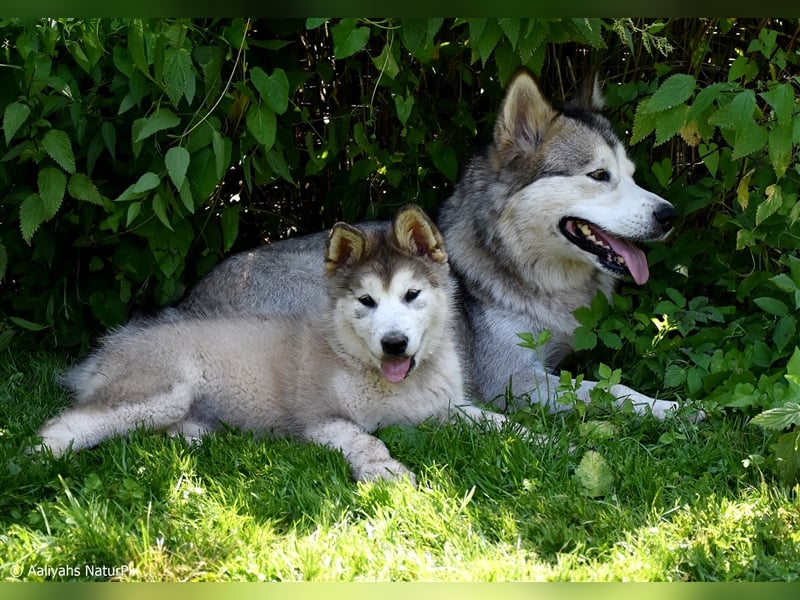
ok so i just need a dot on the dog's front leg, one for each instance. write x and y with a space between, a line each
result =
368 457
642 404
475 414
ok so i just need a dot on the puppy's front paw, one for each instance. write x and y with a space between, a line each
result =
56 437
389 470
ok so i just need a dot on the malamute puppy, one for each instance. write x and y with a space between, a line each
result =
382 351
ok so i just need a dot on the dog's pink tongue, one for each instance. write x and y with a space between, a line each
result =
635 259
395 369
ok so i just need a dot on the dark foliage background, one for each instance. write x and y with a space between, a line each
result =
137 153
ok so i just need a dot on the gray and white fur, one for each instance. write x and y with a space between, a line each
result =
541 219
379 351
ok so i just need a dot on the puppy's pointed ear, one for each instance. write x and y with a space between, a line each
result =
345 247
524 115
416 234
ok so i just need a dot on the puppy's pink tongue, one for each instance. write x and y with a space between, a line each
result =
395 369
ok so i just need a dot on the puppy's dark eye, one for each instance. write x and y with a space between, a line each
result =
600 175
411 295
368 301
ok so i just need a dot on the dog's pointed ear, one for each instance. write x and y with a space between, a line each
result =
416 234
590 97
345 247
524 115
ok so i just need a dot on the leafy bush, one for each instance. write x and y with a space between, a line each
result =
136 153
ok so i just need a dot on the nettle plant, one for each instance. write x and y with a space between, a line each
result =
718 321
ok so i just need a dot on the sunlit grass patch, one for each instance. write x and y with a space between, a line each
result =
490 506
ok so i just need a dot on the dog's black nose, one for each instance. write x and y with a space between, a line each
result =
666 215
394 343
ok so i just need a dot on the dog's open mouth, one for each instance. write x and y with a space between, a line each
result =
397 368
614 254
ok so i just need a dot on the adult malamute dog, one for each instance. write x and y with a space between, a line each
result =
543 218
382 351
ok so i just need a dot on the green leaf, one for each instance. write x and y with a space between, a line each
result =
32 214
136 45
779 418
385 63
750 138
262 124
218 145
787 457
674 375
403 107
742 67
177 161
274 89
675 90
134 210
793 367
148 181
610 339
511 29
784 332
585 339
178 76
770 205
185 193
704 99
160 210
14 117
593 475
779 142
162 119
314 23
669 122
784 283
25 324
81 187
230 225
418 36
483 37
277 162
772 306
52 184
781 99
347 38
445 159
109 135
678 298
58 146
644 122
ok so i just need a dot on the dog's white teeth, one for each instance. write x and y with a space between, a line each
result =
589 235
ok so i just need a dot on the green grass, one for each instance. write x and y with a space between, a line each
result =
489 506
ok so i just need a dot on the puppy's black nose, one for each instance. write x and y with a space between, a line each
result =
665 215
394 343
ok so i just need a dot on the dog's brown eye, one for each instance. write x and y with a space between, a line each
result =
368 301
411 295
600 175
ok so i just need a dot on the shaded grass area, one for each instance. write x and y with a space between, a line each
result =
489 506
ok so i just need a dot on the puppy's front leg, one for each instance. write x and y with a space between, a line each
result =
368 457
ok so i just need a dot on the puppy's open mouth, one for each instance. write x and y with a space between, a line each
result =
621 257
397 368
